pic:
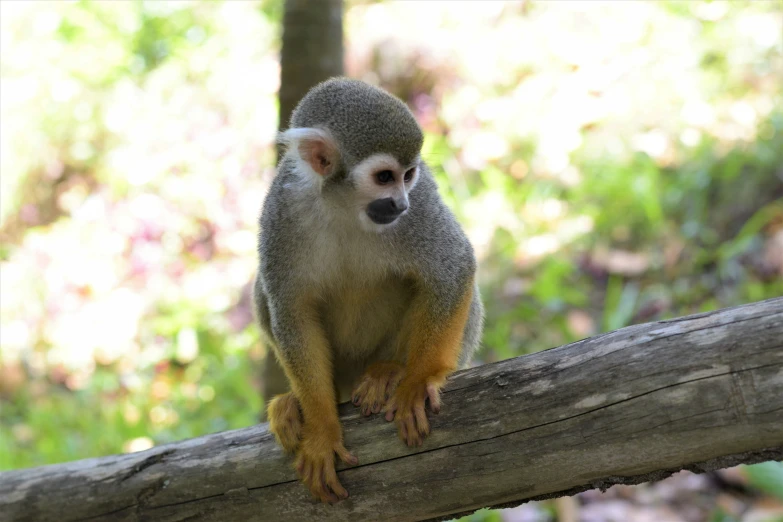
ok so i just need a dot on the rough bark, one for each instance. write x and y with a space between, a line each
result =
699 393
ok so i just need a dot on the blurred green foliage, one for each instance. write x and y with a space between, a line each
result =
612 164
767 477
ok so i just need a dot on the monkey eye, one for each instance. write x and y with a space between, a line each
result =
384 177
409 174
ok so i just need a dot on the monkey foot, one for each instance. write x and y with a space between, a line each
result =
376 386
315 465
285 421
406 408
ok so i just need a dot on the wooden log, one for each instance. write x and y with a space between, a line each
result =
699 392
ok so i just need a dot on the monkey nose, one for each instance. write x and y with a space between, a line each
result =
384 211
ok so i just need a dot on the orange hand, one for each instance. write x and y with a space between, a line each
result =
315 464
376 386
407 408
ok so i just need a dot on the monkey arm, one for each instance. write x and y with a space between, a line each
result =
434 328
287 311
303 351
437 257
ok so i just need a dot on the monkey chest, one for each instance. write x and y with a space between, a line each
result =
364 319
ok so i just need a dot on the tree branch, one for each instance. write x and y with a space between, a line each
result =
699 393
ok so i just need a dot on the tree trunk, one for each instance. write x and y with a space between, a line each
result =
699 393
312 49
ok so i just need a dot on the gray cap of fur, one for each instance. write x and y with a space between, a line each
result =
363 119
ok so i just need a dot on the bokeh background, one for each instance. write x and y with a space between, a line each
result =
612 163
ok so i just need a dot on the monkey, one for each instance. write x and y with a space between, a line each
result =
366 286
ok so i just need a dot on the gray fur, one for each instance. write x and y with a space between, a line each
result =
364 119
310 239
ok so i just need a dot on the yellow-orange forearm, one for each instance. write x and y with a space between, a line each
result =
309 370
434 344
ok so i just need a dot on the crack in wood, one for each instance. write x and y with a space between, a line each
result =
146 463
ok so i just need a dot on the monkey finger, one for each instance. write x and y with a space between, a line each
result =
319 489
358 392
403 432
315 479
403 428
422 424
434 396
331 480
391 408
328 497
304 470
414 439
413 434
346 456
324 486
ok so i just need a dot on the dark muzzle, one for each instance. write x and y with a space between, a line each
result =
384 211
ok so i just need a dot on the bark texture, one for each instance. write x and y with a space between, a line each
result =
699 392
312 49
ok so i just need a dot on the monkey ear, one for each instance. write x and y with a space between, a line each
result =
314 146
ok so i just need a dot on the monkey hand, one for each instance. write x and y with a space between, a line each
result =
315 462
376 386
407 408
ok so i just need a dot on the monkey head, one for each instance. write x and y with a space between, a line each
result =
360 146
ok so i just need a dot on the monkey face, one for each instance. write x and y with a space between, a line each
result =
382 187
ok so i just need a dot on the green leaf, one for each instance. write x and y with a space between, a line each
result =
767 477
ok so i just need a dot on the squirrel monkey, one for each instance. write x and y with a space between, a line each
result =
366 285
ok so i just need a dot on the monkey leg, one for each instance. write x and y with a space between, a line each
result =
376 385
285 421
434 344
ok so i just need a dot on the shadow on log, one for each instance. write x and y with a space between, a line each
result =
699 393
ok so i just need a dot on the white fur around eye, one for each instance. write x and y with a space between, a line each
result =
368 189
363 176
414 179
